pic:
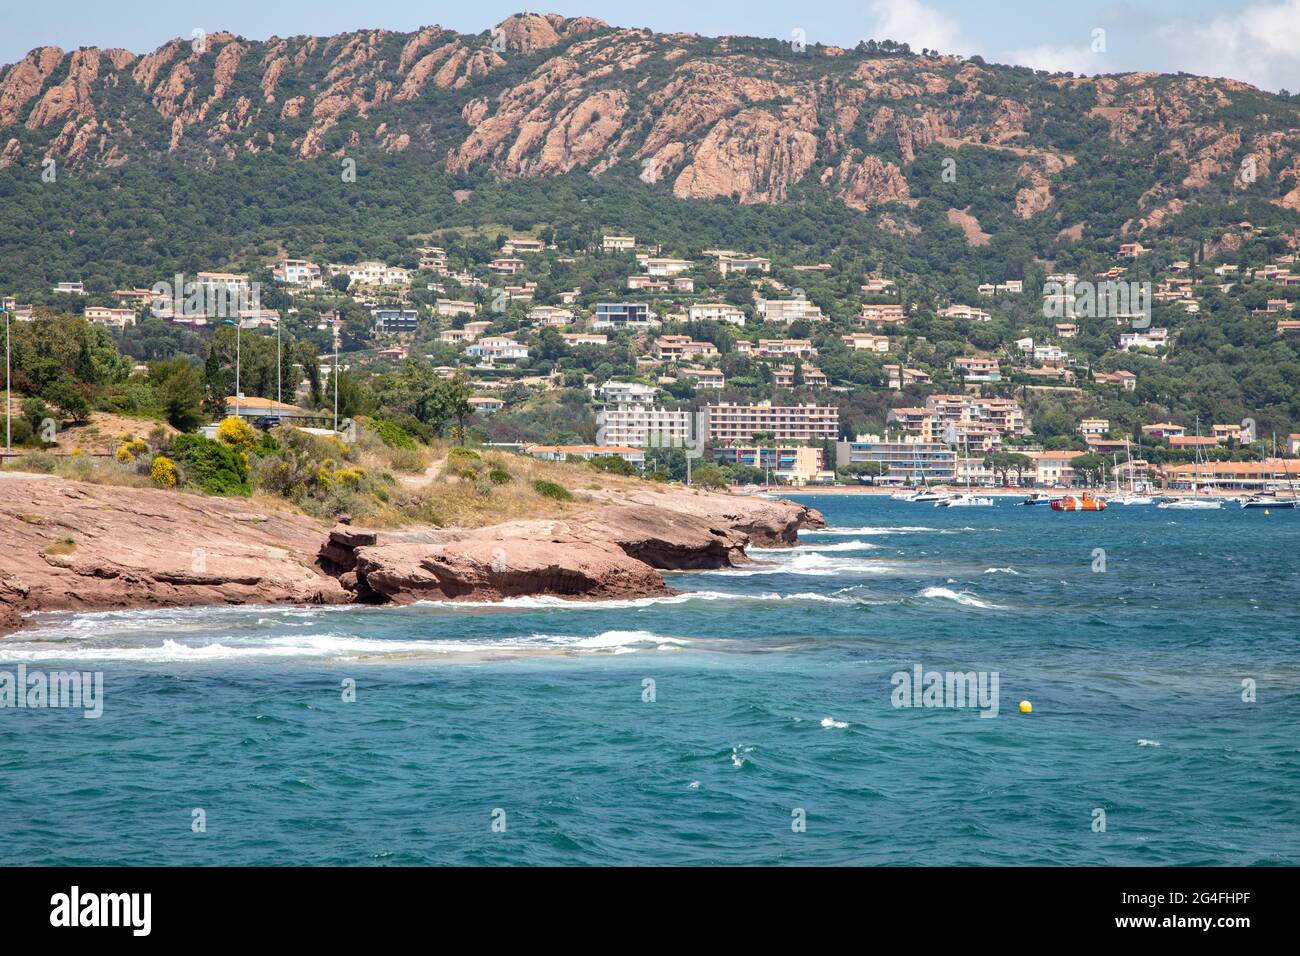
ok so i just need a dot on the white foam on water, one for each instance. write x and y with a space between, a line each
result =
813 546
321 646
173 651
1001 571
885 529
621 639
830 722
960 597
738 756
812 564
1143 742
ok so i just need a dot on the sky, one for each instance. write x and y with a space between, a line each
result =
1257 41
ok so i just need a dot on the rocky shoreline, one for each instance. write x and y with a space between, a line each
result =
72 546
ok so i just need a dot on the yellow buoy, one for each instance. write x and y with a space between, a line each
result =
1265 511
1026 707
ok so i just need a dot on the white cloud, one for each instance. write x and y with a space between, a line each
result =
1060 59
919 26
1259 45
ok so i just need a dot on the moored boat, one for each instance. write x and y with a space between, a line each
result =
1039 498
1132 500
966 501
1267 501
1192 504
1085 502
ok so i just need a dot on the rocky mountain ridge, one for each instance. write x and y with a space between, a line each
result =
704 118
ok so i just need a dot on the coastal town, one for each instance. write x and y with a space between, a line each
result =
763 372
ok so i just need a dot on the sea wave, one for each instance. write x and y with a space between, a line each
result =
967 598
885 529
325 646
811 563
814 546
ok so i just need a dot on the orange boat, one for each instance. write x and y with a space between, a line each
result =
1085 503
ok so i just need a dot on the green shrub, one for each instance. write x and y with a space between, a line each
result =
393 435
549 489
613 465
37 461
464 463
211 465
499 476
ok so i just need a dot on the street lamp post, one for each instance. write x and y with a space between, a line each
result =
239 329
278 397
8 401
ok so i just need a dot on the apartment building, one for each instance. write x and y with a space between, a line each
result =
716 312
796 464
887 314
1146 339
453 307
584 338
866 342
1054 468
977 369
898 377
507 266
544 315
670 348
394 320
297 272
433 258
788 311
730 264
732 423
783 377
666 267
618 315
371 273
110 318
965 312
620 393
522 244
703 377
618 243
909 458
497 348
1094 427
639 426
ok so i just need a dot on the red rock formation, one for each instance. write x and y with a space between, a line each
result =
71 546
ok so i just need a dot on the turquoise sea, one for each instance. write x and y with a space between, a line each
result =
525 733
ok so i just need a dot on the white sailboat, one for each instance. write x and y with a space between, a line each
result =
1130 497
1194 504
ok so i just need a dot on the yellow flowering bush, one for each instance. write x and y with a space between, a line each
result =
129 449
163 472
236 433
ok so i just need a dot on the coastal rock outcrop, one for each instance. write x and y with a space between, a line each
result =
67 545
74 546
616 550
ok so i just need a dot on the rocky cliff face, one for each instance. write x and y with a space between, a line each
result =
615 551
543 95
66 545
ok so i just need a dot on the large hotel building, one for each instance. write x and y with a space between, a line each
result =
729 424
